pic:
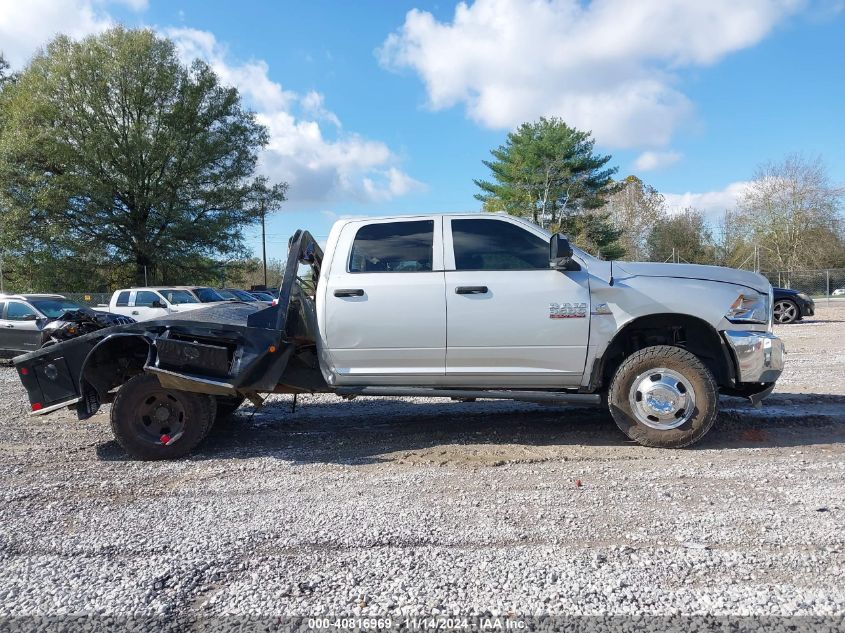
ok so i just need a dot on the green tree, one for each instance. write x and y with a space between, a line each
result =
546 171
4 70
594 232
684 237
111 146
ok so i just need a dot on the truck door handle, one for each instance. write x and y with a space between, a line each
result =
10 325
134 312
471 290
349 292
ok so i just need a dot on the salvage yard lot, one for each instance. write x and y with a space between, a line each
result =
429 506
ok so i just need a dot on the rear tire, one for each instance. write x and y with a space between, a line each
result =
663 397
151 422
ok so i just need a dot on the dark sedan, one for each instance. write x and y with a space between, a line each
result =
29 322
791 305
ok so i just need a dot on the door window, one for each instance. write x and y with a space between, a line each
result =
123 299
393 247
145 299
20 312
497 245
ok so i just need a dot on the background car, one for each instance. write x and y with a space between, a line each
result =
791 305
203 293
30 321
235 294
838 292
262 295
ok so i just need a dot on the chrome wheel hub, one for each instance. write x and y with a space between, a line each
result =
662 398
785 311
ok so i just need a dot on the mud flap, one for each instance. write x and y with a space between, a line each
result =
89 403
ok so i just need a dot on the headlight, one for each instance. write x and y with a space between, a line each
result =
749 307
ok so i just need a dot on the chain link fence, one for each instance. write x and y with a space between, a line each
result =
90 299
819 284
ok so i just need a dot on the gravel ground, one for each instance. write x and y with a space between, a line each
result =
420 506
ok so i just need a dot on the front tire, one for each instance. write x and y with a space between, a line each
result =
786 311
151 422
663 397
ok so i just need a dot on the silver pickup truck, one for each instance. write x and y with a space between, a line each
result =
461 306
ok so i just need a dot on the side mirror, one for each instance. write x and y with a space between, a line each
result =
157 304
560 252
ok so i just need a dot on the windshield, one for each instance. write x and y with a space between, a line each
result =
178 296
263 296
207 295
54 308
231 296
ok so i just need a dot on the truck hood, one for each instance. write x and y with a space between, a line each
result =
185 307
692 271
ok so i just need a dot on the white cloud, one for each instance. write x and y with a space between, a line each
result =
609 66
313 104
712 203
648 161
26 25
345 166
316 167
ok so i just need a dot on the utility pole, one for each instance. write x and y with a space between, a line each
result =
2 290
264 242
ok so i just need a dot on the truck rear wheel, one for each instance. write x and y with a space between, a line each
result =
664 397
152 422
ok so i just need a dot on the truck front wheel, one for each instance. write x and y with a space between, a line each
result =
664 397
152 422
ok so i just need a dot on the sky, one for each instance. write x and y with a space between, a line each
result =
388 107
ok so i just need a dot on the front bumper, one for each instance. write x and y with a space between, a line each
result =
808 308
758 355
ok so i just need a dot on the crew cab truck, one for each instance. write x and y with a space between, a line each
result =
462 306
143 304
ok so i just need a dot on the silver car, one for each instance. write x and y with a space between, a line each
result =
30 321
22 317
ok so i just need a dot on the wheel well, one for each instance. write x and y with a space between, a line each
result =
113 362
680 330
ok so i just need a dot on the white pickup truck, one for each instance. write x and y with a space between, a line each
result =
143 304
461 306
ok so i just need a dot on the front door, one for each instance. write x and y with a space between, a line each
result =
385 310
147 305
512 321
21 330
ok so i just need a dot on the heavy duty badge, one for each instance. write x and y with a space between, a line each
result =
567 310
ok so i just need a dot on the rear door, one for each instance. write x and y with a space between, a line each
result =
385 310
20 326
121 304
512 321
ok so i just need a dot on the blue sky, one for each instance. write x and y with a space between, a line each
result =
374 110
